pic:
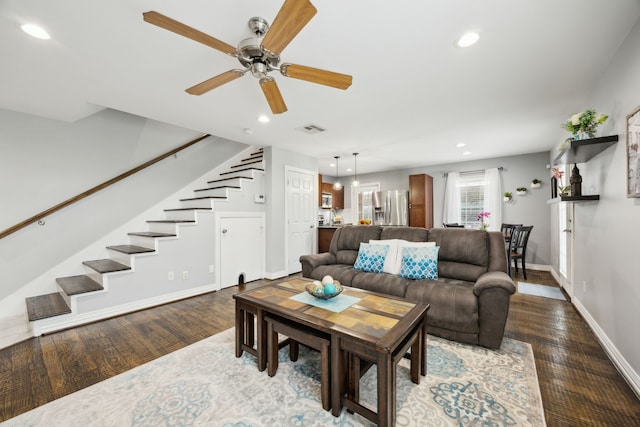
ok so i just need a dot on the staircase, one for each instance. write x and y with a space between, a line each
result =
58 310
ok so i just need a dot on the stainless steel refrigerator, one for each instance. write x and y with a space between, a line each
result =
384 207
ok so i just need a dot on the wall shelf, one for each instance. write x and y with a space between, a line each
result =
574 199
582 150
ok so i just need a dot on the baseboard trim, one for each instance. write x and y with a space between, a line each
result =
53 324
625 369
275 275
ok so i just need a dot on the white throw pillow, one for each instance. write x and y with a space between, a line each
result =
406 244
390 261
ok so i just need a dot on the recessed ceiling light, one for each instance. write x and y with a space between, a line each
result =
35 31
460 144
468 39
333 165
466 153
263 119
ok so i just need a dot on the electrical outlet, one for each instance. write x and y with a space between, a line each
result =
185 275
211 268
170 276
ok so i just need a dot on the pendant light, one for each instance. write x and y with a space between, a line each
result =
337 185
355 169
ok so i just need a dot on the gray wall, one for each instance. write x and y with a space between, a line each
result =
518 171
45 162
275 191
605 233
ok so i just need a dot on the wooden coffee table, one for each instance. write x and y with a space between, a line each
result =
377 328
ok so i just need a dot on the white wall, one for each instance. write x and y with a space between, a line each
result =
606 232
518 171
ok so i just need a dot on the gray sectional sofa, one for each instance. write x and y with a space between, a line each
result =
469 300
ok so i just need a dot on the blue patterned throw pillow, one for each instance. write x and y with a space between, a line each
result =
371 257
420 263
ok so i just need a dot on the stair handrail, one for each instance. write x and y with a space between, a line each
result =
99 187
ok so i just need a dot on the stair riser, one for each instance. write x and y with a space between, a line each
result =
160 227
239 173
67 298
180 215
147 242
212 193
120 257
205 203
236 182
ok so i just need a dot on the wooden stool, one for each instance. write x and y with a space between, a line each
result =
306 336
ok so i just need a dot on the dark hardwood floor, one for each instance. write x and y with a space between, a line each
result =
578 383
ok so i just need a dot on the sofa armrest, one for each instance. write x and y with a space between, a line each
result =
493 290
311 262
494 280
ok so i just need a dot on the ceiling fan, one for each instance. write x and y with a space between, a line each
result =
260 54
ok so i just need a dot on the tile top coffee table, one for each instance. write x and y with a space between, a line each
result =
375 328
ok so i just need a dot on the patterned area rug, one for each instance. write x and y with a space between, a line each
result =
204 384
540 290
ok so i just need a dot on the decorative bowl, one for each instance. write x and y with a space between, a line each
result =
311 289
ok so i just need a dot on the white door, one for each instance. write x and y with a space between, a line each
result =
355 206
241 250
300 210
565 246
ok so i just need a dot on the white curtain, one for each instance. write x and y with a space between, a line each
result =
493 198
451 212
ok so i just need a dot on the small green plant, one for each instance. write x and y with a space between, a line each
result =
586 121
536 181
521 189
508 194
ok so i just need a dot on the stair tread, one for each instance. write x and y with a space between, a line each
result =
43 306
245 164
242 170
131 249
171 221
251 158
187 209
74 285
220 187
106 265
204 198
229 179
151 234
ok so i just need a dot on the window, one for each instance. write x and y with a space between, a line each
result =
471 186
469 193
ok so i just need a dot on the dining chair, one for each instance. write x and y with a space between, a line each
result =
518 247
507 229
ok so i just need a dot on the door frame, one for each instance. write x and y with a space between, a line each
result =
566 282
218 240
354 198
314 210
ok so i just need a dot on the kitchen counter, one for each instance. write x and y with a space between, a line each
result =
333 226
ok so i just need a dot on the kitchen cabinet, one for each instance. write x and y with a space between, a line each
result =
319 190
421 201
337 196
325 234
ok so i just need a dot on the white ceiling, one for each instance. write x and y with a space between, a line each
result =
414 94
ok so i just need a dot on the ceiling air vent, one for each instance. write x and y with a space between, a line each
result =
311 129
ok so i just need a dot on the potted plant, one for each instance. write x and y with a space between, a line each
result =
583 125
508 196
536 183
521 191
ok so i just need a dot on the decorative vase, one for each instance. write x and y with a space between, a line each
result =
576 181
554 187
535 185
521 193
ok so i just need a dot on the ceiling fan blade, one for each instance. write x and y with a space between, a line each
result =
316 75
273 95
292 17
215 82
174 26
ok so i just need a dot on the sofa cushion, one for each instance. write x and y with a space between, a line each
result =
453 305
371 257
411 234
343 273
464 254
388 284
419 262
391 264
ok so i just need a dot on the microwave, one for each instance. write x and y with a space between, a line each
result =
327 201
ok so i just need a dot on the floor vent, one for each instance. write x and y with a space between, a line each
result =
311 129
